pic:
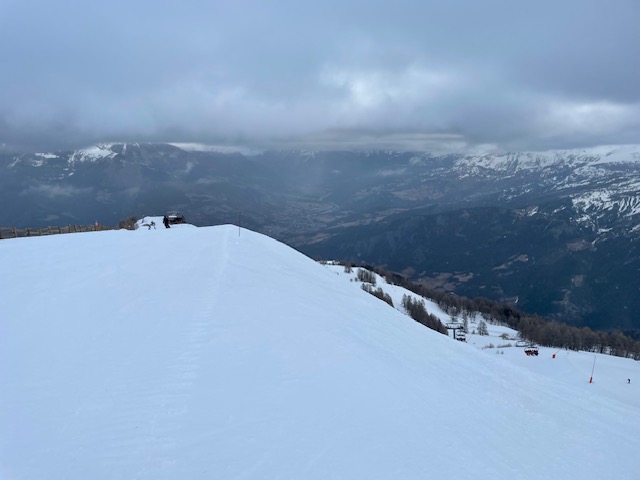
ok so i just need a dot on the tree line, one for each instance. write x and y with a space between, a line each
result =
548 333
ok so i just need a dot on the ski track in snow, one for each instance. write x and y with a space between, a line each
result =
163 406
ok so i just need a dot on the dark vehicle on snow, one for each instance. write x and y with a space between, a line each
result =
175 218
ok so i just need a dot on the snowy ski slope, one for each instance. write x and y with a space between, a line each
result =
201 353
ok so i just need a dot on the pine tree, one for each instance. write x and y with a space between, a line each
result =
482 328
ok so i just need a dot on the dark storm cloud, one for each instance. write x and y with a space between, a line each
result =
458 73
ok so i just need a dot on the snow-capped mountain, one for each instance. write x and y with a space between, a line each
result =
220 353
599 181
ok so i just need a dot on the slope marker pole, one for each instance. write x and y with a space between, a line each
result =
592 369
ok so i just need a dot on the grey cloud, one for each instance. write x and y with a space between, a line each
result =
513 74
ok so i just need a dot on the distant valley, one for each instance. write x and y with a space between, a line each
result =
555 233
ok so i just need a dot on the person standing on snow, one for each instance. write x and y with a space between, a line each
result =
165 220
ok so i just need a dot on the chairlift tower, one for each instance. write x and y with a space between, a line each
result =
455 326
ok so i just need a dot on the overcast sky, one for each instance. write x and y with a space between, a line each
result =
417 74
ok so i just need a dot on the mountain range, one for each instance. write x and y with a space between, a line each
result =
554 233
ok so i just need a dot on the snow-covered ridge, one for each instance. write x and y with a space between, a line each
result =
517 161
602 183
220 353
503 161
92 154
609 200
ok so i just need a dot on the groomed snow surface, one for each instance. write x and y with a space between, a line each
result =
219 353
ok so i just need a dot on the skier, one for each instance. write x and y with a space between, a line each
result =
628 380
165 220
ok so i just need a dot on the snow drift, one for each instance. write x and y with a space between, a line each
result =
202 353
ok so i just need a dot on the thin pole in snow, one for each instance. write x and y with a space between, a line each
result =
593 368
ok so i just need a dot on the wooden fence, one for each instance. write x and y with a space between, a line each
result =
13 232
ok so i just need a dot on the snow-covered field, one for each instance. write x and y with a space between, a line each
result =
200 353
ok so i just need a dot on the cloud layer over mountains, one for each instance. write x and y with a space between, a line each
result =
412 74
